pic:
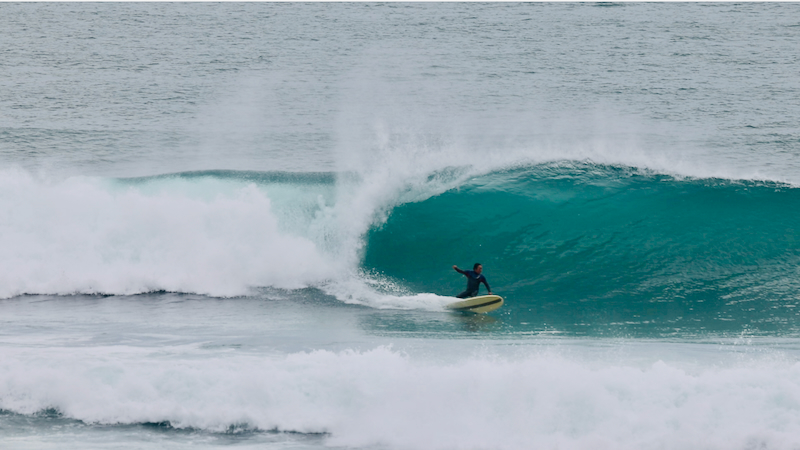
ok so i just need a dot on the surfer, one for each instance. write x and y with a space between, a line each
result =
474 280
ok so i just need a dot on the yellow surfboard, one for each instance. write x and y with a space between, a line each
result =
481 304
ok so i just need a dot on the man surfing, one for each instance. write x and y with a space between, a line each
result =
474 280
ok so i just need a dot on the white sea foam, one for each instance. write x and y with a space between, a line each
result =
204 235
384 397
88 235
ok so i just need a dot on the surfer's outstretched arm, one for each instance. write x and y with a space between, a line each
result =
459 270
486 283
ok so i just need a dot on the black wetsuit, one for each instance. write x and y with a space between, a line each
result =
473 283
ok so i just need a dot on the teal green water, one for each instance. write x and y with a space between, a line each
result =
581 244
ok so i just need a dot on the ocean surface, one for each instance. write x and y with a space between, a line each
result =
234 225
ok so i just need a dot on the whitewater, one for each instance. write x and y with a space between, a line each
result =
235 224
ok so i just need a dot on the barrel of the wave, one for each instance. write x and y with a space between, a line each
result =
481 304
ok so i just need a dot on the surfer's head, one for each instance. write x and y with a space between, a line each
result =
478 268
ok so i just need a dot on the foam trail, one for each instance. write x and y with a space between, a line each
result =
379 292
383 397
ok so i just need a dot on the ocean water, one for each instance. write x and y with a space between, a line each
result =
233 226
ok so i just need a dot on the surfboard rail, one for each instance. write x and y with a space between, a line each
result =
479 304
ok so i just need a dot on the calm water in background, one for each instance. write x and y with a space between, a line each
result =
233 224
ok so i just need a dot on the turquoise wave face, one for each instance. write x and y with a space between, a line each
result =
600 248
